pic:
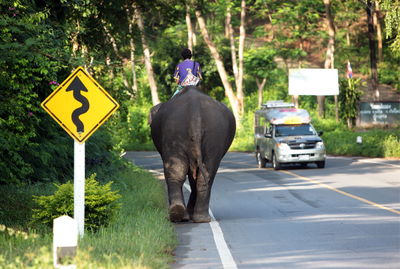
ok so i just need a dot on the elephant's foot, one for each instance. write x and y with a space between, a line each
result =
177 213
199 218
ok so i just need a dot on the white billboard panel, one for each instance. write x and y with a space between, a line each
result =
313 82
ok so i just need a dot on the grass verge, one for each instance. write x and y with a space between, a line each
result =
375 143
140 237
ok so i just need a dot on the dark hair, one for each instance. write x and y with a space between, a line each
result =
186 53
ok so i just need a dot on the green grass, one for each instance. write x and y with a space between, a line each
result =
140 237
375 143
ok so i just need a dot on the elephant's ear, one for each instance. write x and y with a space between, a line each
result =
153 112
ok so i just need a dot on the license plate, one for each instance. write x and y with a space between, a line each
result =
304 157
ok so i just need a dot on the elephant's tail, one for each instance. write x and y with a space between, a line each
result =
197 165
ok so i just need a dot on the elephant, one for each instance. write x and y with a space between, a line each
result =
192 132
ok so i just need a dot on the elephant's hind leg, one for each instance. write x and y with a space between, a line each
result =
177 209
175 175
177 213
201 207
204 183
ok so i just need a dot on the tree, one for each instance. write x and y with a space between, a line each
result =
147 57
242 37
260 64
189 27
370 7
220 67
131 23
392 22
115 47
349 100
330 55
378 27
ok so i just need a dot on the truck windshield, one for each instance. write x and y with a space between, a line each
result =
294 130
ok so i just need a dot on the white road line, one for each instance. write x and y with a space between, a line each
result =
382 163
366 160
223 250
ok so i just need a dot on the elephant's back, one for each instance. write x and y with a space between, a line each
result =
193 114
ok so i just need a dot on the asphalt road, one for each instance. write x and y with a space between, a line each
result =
346 215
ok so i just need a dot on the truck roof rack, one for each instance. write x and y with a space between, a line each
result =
277 104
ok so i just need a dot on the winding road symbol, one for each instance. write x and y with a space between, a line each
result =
80 105
77 86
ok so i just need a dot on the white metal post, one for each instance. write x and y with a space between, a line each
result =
79 186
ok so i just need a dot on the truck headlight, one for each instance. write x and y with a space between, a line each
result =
283 146
320 145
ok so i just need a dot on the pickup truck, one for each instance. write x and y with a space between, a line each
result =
285 135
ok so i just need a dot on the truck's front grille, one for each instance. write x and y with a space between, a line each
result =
302 145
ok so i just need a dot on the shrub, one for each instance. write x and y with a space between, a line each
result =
100 204
391 146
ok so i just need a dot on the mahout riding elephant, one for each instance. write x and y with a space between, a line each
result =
192 132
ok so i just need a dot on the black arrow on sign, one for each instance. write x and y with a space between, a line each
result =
77 86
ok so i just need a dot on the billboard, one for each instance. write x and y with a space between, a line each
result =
313 81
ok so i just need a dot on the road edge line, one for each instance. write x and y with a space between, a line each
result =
223 250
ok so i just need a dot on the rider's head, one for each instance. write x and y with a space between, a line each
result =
186 53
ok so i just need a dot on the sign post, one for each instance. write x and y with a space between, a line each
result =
79 186
80 105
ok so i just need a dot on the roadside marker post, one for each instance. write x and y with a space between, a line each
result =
80 106
65 241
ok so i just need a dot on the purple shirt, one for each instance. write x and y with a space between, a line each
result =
183 68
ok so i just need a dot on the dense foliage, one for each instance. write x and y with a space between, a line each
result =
41 42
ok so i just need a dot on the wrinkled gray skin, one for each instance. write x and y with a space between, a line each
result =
192 132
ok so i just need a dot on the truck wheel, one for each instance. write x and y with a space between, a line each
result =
275 164
321 164
260 160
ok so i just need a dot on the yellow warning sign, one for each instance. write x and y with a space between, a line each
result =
80 105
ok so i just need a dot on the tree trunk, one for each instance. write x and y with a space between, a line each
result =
242 36
232 43
110 69
147 57
295 100
238 72
189 28
348 42
194 27
330 53
117 53
260 86
220 67
131 17
372 49
227 22
378 27
272 34
74 39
